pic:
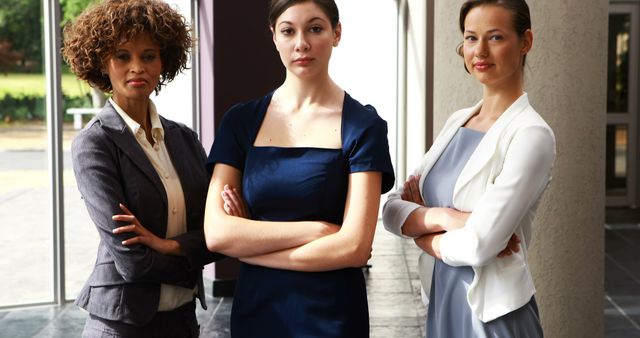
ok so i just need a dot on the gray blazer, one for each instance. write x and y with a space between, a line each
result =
111 167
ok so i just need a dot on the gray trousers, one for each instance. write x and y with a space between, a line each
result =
178 323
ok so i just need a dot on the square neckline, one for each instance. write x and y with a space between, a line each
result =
263 114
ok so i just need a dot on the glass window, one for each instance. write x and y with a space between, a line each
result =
617 154
618 63
25 222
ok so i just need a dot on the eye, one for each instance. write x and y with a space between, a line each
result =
286 31
470 38
316 29
496 37
149 57
122 56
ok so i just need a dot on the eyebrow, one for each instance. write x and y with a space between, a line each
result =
310 21
128 51
489 31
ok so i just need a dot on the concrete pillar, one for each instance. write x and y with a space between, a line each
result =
566 82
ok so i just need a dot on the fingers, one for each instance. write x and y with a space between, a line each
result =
233 196
512 246
135 240
124 218
127 228
504 253
136 229
230 204
129 217
414 182
233 203
230 210
514 243
405 192
125 209
411 190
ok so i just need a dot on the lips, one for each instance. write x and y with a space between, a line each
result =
482 65
136 82
302 61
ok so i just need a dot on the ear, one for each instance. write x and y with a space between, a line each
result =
527 41
337 35
273 38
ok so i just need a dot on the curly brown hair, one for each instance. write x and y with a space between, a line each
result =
92 38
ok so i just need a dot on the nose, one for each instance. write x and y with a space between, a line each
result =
481 50
137 66
301 43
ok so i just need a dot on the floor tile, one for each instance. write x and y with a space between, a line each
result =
393 288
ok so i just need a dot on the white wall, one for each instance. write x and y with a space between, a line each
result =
364 63
175 100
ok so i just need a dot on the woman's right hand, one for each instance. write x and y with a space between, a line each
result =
234 205
411 190
454 219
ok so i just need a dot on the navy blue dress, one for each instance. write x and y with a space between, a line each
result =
300 184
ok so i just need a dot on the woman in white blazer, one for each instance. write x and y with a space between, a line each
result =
471 202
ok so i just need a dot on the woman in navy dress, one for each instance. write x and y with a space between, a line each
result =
311 163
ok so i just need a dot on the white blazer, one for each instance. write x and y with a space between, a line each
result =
501 186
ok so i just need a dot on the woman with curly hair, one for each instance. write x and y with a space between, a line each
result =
142 177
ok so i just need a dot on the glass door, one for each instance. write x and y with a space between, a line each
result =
622 105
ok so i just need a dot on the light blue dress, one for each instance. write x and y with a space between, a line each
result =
449 313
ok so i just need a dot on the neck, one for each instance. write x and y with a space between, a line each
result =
496 99
138 110
302 93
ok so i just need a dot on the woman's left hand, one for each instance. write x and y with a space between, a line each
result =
145 237
234 205
512 246
411 190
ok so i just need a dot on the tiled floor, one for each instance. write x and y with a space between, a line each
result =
394 296
622 281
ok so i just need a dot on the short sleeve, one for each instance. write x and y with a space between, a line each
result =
231 140
369 147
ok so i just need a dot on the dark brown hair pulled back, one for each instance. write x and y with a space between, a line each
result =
277 7
518 9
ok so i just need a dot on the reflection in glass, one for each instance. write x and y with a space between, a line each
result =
617 154
26 260
618 63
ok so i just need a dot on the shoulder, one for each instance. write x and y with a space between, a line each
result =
181 128
100 126
246 111
529 133
358 117
94 132
529 120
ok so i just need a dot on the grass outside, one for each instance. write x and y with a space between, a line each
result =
19 84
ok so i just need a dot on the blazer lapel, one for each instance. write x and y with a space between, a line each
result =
176 149
117 130
442 141
486 149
